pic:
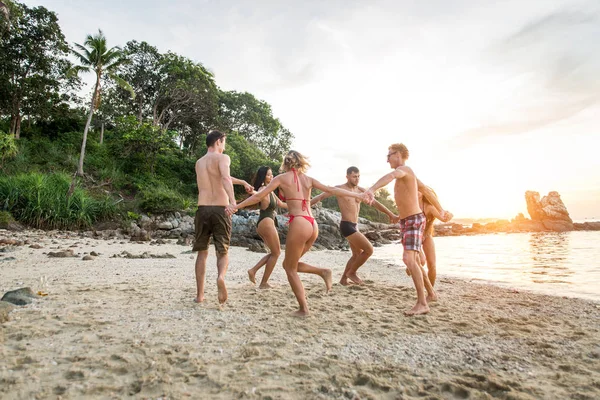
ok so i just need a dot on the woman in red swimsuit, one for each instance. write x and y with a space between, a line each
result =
303 230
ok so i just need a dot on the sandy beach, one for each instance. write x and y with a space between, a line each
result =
121 327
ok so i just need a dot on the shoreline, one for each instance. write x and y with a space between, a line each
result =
118 327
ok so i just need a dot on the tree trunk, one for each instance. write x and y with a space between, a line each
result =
13 124
18 127
102 133
141 105
15 121
87 127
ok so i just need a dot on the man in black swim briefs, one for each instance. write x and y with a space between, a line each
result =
349 207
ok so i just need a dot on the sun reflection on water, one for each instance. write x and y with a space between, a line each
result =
549 262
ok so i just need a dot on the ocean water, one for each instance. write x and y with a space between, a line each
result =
562 264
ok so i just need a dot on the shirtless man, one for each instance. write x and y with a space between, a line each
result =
412 219
215 192
360 246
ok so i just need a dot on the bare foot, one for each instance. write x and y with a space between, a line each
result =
344 281
354 278
432 297
251 275
199 299
300 313
222 295
265 286
327 277
418 309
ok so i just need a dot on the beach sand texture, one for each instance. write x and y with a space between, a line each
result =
119 328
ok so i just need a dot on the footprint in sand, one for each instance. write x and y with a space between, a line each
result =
458 391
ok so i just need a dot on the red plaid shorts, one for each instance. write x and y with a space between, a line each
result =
411 231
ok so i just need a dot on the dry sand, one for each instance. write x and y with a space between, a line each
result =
118 328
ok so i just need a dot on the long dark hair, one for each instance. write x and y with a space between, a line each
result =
260 177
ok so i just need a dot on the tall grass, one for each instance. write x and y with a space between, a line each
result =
42 201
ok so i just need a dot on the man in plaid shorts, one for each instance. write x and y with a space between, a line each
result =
412 219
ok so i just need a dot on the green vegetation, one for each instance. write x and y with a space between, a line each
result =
136 136
49 201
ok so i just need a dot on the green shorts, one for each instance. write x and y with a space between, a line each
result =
212 221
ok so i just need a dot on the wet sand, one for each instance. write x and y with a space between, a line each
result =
119 327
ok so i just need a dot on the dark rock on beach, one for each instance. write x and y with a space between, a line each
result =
20 297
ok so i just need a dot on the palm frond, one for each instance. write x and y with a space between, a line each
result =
123 84
86 61
76 70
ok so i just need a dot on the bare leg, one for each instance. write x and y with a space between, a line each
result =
410 259
222 264
429 249
303 267
322 272
268 232
252 271
431 294
359 241
200 275
299 233
344 278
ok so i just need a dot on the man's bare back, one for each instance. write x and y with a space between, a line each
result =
210 179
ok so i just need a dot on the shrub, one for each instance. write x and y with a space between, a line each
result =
5 219
42 201
8 147
160 199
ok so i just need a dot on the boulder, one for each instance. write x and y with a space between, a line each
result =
550 211
20 297
165 225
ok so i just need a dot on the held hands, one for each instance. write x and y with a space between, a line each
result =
231 209
249 189
368 197
395 219
447 216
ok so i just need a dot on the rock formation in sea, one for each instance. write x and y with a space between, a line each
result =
548 214
550 211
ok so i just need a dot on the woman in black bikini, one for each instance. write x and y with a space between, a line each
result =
303 230
266 227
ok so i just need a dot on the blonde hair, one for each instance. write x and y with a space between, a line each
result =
428 218
400 148
293 159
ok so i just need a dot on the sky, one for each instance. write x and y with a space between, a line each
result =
492 98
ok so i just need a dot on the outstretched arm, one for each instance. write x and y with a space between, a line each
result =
380 207
430 209
226 178
247 186
335 191
319 198
398 173
255 198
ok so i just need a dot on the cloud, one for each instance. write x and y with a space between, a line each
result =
555 61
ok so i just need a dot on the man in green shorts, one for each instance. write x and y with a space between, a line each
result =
215 192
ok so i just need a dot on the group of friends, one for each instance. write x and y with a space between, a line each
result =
417 204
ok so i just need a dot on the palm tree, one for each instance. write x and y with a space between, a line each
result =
96 57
